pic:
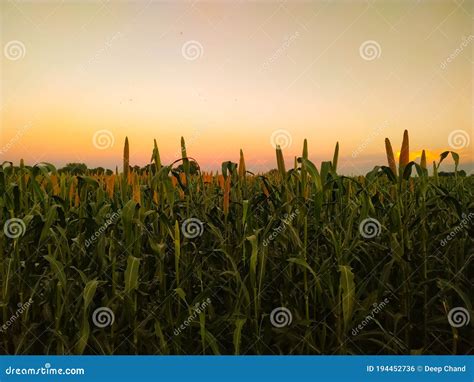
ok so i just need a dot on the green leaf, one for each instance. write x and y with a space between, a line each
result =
50 219
348 293
303 263
57 268
87 180
131 274
326 167
89 292
253 259
335 157
239 323
83 338
313 171
181 294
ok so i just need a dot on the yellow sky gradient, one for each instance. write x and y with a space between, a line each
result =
261 67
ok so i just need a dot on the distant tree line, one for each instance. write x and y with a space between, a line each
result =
82 169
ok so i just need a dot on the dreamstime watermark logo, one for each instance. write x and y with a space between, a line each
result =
377 308
103 316
370 228
369 139
192 50
103 139
197 309
458 139
281 317
458 317
14 50
464 223
110 219
281 138
46 370
14 228
21 309
282 227
370 50
15 139
192 228
281 50
457 51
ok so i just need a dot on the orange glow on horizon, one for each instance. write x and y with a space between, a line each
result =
228 76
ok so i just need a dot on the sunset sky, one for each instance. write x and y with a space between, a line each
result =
77 77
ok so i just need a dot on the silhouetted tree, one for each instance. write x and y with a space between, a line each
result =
74 168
